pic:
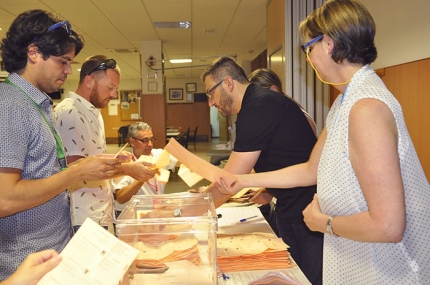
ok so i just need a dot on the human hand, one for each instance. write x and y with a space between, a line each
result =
312 215
96 167
261 196
34 267
139 170
225 189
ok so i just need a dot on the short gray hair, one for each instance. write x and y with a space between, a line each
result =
138 126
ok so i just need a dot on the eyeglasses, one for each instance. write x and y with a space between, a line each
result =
66 24
306 47
108 63
208 93
55 26
146 140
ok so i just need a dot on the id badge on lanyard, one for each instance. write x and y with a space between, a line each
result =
60 151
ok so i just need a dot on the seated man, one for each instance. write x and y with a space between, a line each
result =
141 140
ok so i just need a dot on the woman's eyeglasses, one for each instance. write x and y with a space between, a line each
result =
108 63
306 48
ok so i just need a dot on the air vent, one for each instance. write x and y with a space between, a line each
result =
173 25
125 50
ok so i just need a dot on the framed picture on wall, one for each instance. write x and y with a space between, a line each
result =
176 94
130 96
191 87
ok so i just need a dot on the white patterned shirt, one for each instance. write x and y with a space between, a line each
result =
81 127
350 262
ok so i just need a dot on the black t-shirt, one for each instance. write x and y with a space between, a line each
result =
271 122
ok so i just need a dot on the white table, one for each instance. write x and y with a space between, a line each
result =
170 134
230 223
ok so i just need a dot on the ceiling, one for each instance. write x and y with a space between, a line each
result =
116 29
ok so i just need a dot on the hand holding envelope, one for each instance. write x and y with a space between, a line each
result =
197 165
158 164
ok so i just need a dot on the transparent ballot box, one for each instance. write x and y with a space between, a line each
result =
176 238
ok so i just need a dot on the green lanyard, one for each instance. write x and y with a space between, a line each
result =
60 152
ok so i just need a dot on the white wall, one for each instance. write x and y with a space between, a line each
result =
402 30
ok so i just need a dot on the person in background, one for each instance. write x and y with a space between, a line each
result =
373 196
141 140
37 51
266 78
272 132
33 268
80 123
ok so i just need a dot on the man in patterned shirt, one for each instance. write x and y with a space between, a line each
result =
80 123
34 208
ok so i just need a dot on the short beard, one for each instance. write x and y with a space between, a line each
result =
95 98
226 103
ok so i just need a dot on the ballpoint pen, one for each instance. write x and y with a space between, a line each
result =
245 219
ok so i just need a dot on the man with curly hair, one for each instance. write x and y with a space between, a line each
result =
34 206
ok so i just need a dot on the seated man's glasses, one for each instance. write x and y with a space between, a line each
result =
208 93
55 26
306 48
108 63
146 140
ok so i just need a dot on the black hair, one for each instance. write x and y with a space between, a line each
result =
224 66
31 27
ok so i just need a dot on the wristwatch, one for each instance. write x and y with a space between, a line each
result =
329 227
177 212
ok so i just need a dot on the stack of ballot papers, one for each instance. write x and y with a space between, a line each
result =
253 251
182 247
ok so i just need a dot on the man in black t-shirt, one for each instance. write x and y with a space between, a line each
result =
272 132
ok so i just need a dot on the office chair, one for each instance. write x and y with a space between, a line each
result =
183 138
192 137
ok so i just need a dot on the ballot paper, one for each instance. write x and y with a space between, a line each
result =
189 177
253 277
158 163
197 164
282 277
93 256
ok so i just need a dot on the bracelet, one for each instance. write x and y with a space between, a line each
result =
329 226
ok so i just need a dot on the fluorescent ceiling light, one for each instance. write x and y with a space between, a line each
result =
185 60
172 25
